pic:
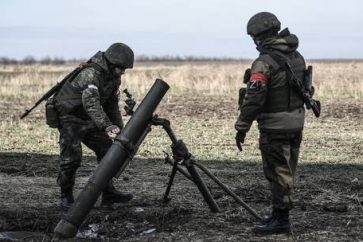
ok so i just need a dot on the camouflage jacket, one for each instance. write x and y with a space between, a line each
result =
92 95
270 99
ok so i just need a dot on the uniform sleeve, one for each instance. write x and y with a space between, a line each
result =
254 101
88 82
112 108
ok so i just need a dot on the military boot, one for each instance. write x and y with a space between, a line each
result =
277 223
267 218
66 198
110 196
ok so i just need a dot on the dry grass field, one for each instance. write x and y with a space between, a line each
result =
202 106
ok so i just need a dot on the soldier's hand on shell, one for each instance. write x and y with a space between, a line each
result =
112 131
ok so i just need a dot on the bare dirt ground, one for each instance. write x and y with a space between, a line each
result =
328 196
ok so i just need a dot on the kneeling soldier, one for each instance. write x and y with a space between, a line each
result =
88 110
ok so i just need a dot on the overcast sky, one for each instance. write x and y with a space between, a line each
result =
207 28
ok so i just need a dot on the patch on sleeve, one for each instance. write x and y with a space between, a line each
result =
258 77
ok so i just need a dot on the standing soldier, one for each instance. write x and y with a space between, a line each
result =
278 108
87 105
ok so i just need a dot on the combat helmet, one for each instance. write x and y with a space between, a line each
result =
120 54
261 23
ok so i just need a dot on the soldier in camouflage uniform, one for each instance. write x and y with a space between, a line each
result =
278 109
89 113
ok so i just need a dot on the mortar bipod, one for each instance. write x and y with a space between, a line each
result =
181 156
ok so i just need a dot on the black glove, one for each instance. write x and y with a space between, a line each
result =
241 97
240 139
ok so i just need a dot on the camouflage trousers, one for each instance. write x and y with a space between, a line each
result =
280 157
72 135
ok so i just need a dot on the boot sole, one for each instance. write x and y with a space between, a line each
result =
277 231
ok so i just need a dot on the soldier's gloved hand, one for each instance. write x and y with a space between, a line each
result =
240 139
112 131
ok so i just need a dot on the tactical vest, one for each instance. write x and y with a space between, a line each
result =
69 98
281 95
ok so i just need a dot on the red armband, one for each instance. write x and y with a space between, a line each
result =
257 76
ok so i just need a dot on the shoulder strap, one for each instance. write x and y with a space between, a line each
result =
271 61
82 66
96 66
277 57
72 75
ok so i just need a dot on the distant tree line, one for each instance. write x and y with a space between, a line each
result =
30 60
145 58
